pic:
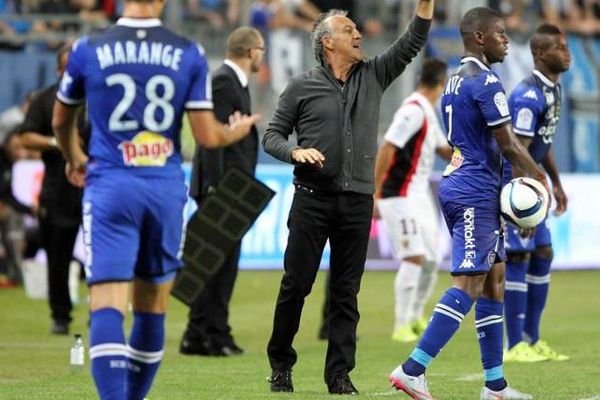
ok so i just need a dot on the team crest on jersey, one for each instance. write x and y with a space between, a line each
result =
491 257
490 79
146 149
524 119
455 162
501 103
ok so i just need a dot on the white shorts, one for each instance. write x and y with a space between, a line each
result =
412 225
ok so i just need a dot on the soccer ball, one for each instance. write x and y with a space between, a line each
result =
524 202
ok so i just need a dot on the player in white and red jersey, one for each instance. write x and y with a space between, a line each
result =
405 203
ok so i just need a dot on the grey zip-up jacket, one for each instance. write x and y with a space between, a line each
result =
340 122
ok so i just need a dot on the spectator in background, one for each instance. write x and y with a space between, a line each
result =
60 202
357 11
576 16
282 22
218 13
10 261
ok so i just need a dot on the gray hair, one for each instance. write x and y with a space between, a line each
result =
322 28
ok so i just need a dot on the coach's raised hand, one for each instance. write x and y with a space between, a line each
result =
425 8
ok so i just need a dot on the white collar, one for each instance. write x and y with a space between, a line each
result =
242 77
543 78
422 100
139 22
476 61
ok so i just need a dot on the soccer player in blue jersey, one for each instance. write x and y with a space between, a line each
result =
137 79
535 109
478 122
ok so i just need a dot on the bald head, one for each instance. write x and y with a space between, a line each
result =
241 40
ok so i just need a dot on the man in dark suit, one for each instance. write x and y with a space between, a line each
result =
208 331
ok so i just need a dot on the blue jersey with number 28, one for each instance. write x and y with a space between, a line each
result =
137 79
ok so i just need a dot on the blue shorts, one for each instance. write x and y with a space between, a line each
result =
132 227
516 244
477 238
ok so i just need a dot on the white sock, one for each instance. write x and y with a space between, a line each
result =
405 286
425 288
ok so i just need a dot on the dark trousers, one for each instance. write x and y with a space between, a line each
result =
58 242
209 314
344 219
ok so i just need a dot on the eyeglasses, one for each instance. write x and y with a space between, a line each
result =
263 48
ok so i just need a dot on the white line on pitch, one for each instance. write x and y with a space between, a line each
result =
596 397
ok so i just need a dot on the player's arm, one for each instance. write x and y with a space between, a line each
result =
385 155
525 141
560 196
516 154
211 133
64 124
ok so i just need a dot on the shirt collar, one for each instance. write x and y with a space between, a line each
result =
422 100
543 78
242 77
476 61
139 22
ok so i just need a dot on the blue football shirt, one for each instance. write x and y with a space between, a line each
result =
473 103
535 108
137 78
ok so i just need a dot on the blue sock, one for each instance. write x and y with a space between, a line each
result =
144 352
108 353
488 321
445 321
538 281
515 301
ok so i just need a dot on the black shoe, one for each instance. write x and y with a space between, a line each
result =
281 381
231 349
59 328
342 385
194 347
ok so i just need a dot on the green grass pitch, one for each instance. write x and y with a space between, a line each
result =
34 364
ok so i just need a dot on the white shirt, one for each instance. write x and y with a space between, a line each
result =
242 77
415 129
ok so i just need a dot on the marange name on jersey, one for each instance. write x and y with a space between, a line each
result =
130 52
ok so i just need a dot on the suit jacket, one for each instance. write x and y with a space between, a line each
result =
209 164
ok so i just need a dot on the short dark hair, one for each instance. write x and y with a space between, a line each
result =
539 39
433 72
476 19
241 40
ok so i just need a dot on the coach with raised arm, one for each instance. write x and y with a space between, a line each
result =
334 109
